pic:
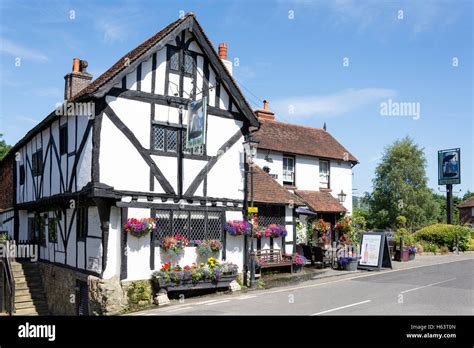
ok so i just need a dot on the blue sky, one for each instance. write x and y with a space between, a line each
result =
292 53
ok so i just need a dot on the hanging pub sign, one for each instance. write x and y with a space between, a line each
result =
449 167
197 115
374 251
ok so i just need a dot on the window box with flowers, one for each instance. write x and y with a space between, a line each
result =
273 231
139 228
209 275
238 228
174 245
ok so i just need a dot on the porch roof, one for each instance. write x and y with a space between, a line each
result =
321 201
267 190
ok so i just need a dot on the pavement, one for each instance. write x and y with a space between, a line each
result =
429 285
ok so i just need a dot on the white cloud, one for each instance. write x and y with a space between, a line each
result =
16 50
334 104
111 30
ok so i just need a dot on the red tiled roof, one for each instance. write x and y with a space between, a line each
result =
467 203
267 190
321 201
302 140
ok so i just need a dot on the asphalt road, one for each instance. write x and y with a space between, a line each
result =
443 289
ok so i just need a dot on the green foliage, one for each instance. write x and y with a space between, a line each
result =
407 238
442 214
444 249
4 237
401 221
471 244
467 195
260 284
442 234
4 148
139 291
400 188
430 248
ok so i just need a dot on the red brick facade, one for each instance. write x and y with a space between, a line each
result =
7 187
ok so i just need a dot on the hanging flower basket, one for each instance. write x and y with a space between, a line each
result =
208 248
174 245
139 228
273 231
238 228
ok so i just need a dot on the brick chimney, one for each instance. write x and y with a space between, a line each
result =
76 80
223 56
265 114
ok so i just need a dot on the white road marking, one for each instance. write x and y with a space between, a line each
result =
245 297
179 309
213 303
425 286
338 308
203 302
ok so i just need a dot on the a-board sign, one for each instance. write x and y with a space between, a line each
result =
374 251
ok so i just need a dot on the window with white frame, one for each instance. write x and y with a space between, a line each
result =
324 180
288 170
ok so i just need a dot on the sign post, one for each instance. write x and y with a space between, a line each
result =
449 174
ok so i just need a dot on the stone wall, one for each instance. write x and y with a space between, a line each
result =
60 288
106 296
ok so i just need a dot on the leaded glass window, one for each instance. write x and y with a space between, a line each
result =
173 58
195 225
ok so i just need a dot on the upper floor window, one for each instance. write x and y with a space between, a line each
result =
324 173
63 139
184 63
173 58
81 223
37 162
22 174
288 170
165 138
52 230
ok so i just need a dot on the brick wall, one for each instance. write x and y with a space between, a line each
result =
6 183
465 215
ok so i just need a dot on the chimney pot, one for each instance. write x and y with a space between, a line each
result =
223 51
76 80
265 113
75 64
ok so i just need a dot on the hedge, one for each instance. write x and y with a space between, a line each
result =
443 234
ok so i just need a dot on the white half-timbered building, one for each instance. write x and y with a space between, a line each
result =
115 150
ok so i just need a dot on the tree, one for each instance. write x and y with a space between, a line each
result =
442 216
400 188
4 148
467 195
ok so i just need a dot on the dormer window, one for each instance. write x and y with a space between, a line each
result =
324 174
288 170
